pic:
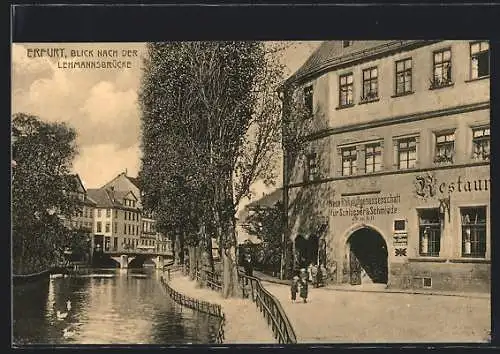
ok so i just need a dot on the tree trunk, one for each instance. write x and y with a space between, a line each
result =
177 249
192 262
230 265
211 264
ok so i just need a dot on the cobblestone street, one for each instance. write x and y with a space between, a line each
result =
373 317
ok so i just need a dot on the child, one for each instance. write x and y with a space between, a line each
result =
294 288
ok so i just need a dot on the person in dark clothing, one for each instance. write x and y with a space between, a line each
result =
303 284
294 289
247 264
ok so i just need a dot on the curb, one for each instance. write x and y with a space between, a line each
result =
391 291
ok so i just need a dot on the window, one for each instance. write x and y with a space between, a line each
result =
124 229
373 158
346 90
430 232
346 44
99 226
403 76
98 213
480 59
107 243
481 143
441 68
308 99
116 214
115 243
473 232
129 229
370 84
107 227
407 153
115 227
349 166
108 213
312 167
445 147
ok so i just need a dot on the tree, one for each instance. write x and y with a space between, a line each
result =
211 113
266 223
40 190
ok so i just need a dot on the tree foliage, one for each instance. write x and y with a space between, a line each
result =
210 129
267 224
40 190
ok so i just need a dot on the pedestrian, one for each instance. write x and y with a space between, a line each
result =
303 284
247 264
294 289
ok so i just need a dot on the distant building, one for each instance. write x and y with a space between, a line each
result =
82 219
387 166
150 237
117 220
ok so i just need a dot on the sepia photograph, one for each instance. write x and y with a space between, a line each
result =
250 192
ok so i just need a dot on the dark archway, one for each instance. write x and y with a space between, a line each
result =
367 257
306 250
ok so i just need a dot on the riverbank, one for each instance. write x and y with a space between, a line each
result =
244 323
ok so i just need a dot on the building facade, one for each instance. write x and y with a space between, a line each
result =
386 163
117 226
150 239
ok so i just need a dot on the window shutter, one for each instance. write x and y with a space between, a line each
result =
338 160
382 155
360 159
395 154
417 150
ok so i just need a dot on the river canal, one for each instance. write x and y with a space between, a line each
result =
106 306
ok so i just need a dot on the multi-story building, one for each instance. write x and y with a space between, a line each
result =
150 238
117 225
386 163
82 219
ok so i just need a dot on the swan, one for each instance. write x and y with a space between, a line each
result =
68 333
61 315
68 305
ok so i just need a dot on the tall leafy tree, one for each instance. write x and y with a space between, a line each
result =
41 190
210 110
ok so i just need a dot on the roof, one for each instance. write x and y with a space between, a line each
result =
332 53
75 178
269 200
107 197
135 181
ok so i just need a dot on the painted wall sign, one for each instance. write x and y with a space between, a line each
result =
365 208
427 186
400 240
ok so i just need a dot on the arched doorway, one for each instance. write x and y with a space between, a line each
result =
367 257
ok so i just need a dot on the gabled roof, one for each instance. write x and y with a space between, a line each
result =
135 181
332 53
107 197
269 200
101 197
75 178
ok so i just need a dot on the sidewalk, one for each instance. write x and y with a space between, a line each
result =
377 288
384 317
244 323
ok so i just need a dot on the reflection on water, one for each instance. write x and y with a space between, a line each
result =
105 307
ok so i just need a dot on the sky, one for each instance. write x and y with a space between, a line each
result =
100 104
